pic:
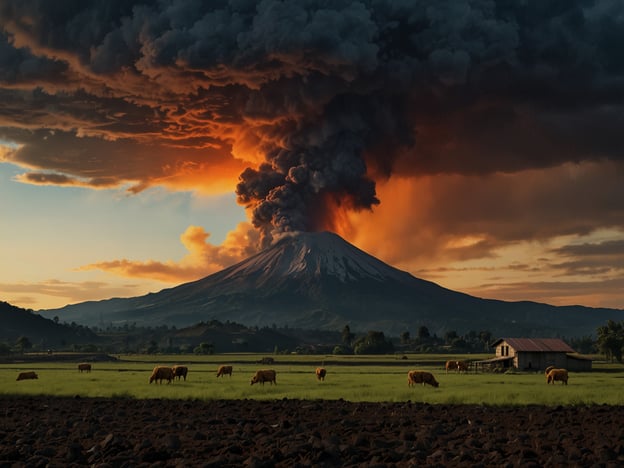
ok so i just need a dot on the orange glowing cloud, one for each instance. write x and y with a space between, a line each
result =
456 218
93 163
202 259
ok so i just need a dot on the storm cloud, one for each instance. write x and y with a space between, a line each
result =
312 102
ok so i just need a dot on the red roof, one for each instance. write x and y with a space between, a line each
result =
536 344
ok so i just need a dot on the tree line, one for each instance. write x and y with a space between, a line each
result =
131 338
375 342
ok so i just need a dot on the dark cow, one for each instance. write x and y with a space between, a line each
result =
27 375
224 370
264 375
321 373
161 373
179 371
457 366
421 377
560 375
84 367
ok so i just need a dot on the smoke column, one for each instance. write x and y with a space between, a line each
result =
333 95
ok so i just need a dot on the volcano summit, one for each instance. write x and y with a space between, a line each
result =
320 281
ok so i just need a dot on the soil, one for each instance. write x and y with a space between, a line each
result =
61 432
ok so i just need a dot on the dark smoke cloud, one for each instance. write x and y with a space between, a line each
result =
338 94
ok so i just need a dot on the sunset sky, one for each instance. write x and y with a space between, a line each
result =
476 144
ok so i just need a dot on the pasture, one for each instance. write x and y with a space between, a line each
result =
351 378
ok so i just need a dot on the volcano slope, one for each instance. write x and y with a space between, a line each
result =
319 281
48 431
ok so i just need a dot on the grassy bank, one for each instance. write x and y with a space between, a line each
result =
352 378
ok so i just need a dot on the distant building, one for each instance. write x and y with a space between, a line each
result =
536 354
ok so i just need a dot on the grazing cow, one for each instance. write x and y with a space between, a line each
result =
27 375
265 375
557 374
414 377
224 370
161 373
179 371
458 366
84 367
321 373
548 369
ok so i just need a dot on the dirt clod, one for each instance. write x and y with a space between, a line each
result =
285 433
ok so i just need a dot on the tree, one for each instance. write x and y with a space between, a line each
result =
23 343
373 343
204 348
152 347
347 336
485 336
186 349
341 349
584 344
611 340
405 337
5 349
450 337
423 333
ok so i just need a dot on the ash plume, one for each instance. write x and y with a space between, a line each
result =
320 164
331 96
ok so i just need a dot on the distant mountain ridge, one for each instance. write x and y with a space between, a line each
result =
320 281
43 332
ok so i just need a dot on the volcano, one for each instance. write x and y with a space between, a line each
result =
320 281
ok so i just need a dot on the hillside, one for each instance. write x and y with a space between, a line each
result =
320 281
43 333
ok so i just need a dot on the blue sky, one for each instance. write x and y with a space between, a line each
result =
49 232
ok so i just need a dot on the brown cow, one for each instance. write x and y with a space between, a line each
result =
557 374
264 375
423 377
321 373
224 370
161 373
84 367
179 371
458 366
27 375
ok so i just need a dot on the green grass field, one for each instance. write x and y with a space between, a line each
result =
352 378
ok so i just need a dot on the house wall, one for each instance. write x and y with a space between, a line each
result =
540 360
578 365
503 349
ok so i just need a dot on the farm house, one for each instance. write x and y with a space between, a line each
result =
537 354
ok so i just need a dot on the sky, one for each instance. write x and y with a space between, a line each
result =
473 143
